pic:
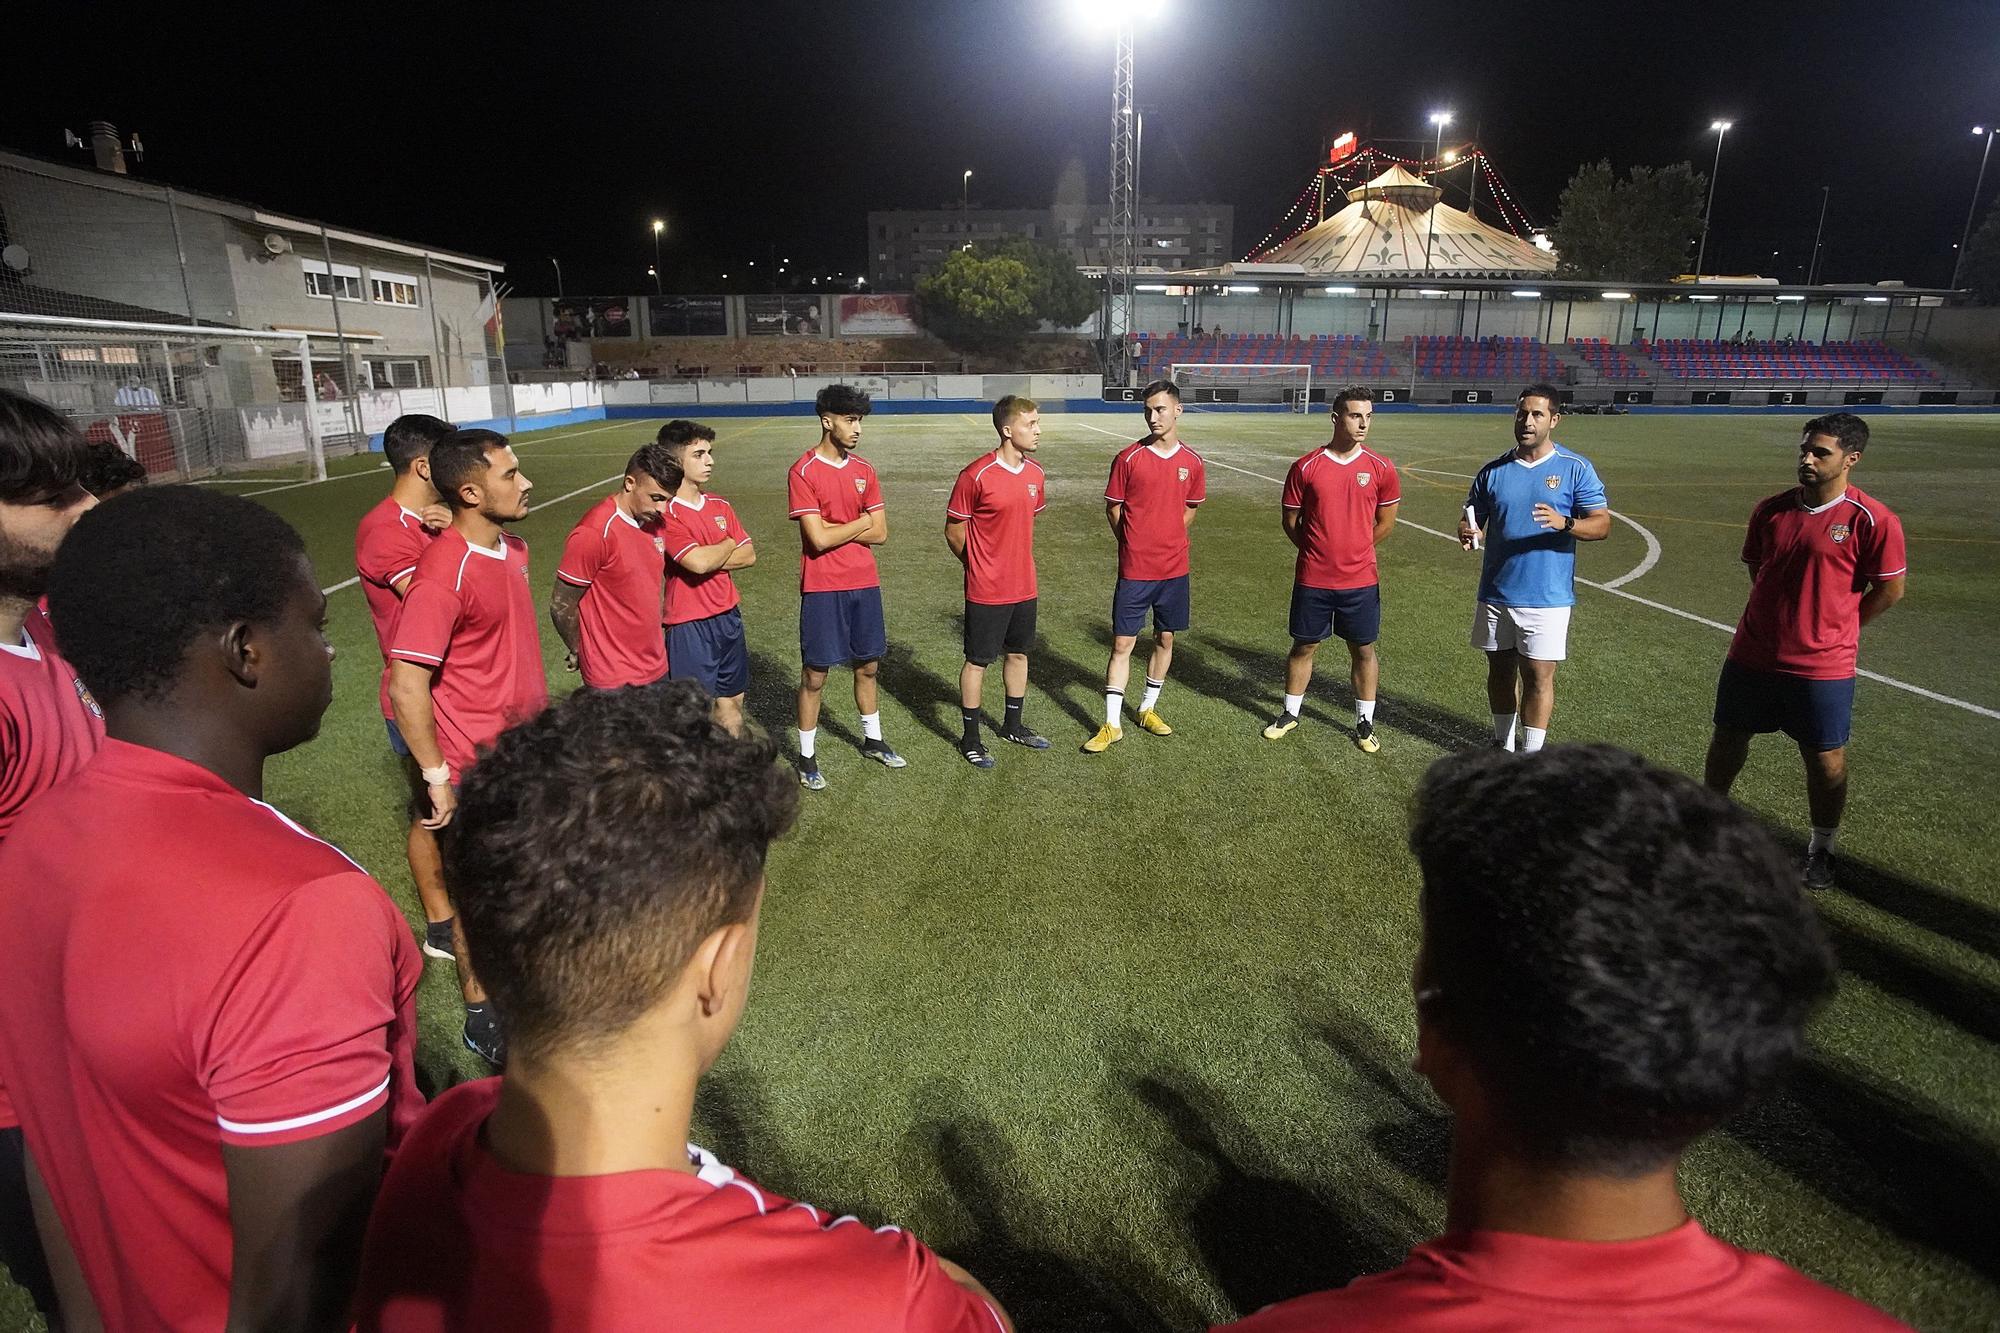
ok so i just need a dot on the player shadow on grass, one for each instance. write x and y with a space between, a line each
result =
1882 1157
772 701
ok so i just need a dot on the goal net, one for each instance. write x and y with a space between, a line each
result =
1205 383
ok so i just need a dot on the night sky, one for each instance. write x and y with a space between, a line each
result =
767 131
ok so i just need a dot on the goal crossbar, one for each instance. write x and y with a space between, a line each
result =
1265 381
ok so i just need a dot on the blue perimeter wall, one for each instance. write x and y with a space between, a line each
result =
980 407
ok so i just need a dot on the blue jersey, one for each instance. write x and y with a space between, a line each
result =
1526 563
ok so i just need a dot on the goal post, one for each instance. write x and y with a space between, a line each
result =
1221 383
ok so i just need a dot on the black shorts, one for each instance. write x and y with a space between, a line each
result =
991 629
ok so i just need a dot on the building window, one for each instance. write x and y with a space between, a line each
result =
400 372
341 282
394 288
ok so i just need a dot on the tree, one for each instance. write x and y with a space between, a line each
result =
1640 229
996 294
1981 271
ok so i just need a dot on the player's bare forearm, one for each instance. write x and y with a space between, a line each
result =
823 536
877 530
79 1307
1880 597
1385 521
1592 527
707 559
744 556
954 538
1114 514
410 700
1294 527
1187 518
298 1211
566 614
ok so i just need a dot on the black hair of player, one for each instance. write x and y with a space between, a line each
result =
596 845
1167 387
1850 430
842 400
126 615
1630 976
678 434
460 459
410 437
1547 392
1353 393
108 469
41 453
659 462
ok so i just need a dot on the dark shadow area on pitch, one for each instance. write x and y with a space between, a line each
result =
1063 679
1408 1125
1882 1157
1264 1235
1921 904
1041 1290
1195 670
1439 727
772 701
1957 998
931 698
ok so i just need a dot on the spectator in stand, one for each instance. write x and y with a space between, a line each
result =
135 393
566 1193
108 470
1589 1003
1200 332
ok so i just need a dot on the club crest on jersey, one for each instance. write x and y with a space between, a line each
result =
1183 472
1032 488
860 485
660 545
1552 481
1361 479
1838 532
721 524
86 698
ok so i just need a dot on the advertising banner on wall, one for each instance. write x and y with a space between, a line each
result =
687 316
878 314
592 317
798 315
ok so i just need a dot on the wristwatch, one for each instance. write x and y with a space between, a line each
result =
1569 521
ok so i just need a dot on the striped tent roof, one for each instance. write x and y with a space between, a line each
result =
1382 231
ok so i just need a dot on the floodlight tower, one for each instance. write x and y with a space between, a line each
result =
1985 132
1439 119
1720 127
1124 248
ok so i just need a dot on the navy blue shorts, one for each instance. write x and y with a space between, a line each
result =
711 652
1166 598
1355 614
838 628
1818 714
397 745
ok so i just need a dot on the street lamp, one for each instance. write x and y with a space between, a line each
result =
1721 127
658 227
965 193
558 264
1987 134
1439 119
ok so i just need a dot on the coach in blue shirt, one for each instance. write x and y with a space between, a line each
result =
1534 504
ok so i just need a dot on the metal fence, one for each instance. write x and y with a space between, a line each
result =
203 334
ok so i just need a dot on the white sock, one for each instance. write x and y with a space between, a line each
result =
807 739
1293 703
871 726
1364 710
1152 694
1532 738
1822 839
1114 704
1503 729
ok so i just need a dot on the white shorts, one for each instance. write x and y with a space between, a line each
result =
1540 632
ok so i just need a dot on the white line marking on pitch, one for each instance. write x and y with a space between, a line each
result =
534 437
1638 571
1612 587
532 510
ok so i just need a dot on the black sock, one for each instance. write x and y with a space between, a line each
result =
479 1016
1014 703
970 717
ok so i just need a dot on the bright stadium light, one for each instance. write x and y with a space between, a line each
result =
1719 128
1876 300
1108 13
1616 296
1439 119
1341 291
1242 291
1709 297
1983 132
1791 298
1525 291
659 226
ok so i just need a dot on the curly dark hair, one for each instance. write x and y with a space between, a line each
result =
107 468
1625 957
136 582
412 436
597 844
842 400
41 453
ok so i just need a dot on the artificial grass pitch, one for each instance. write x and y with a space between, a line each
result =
1129 1034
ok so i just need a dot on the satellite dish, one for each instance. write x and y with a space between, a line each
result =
15 257
275 244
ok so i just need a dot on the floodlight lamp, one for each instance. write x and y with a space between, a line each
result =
1978 130
1451 155
658 226
650 272
1440 118
1722 126
1112 13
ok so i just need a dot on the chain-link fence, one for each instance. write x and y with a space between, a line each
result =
204 334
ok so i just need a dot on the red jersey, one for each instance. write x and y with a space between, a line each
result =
469 614
1813 565
620 564
1500 1282
998 505
277 1004
839 493
1337 503
459 1241
686 526
387 546
1156 489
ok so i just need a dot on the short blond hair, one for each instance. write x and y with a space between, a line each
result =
1013 405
